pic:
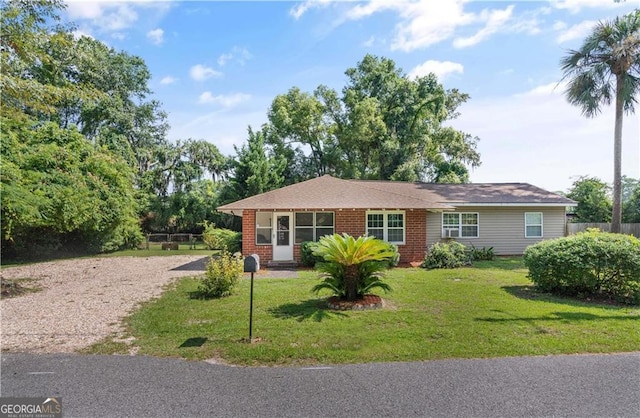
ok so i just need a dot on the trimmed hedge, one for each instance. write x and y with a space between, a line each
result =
222 239
446 255
590 263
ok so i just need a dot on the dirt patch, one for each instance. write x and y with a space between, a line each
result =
81 301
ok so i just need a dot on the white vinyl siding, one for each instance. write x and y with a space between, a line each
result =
503 228
533 225
387 225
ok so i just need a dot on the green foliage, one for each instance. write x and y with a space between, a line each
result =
222 275
591 263
255 169
221 239
384 125
59 189
593 197
481 254
446 255
351 266
630 200
606 67
307 257
394 260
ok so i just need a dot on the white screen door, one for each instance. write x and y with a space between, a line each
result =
283 240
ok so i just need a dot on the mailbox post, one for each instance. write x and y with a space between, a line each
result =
251 265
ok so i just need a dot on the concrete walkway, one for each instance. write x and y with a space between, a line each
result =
280 273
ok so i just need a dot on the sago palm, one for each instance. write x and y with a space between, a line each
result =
353 263
607 67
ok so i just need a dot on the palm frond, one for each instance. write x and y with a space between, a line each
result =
612 50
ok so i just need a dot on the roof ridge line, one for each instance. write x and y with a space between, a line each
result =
394 192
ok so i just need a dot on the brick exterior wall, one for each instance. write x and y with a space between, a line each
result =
351 221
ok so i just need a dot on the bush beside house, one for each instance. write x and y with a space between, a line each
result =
588 264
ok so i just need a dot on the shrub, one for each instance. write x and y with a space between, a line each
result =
351 266
221 276
481 254
395 258
221 239
446 255
590 263
307 257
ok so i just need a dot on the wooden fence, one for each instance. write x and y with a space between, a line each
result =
629 229
193 240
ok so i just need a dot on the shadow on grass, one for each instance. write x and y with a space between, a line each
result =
558 316
529 292
313 309
194 342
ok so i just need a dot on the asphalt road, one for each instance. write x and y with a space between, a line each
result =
124 386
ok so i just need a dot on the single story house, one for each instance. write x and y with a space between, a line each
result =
506 216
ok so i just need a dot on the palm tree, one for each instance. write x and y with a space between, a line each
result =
352 265
607 65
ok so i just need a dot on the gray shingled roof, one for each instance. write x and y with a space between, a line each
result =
327 192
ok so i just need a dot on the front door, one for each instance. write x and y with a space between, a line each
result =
283 242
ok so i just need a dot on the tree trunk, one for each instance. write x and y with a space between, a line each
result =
351 282
616 216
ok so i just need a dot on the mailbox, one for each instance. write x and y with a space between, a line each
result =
252 263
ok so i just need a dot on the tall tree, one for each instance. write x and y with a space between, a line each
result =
607 66
383 126
630 200
255 169
592 195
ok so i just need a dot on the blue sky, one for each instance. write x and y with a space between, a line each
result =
217 66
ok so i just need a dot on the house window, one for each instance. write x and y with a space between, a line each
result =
460 225
533 224
311 226
263 228
387 226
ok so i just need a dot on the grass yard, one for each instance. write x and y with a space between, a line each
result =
156 250
489 310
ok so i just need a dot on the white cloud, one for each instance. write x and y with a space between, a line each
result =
237 54
559 25
369 42
426 23
577 31
538 137
574 6
168 80
544 90
442 69
156 36
115 16
200 73
299 9
495 21
226 101
79 33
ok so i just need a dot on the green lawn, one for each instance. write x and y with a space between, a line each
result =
489 310
155 250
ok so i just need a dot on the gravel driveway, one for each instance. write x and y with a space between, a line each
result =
82 300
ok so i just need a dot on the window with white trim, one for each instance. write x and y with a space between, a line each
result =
387 225
460 225
263 228
533 225
311 226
